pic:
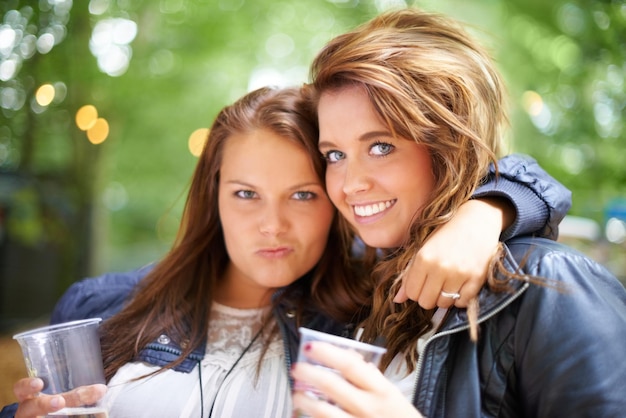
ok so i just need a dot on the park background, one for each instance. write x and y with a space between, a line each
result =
82 193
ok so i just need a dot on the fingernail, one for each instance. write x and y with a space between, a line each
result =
55 402
34 383
399 298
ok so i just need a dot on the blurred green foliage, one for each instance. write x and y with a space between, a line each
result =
172 64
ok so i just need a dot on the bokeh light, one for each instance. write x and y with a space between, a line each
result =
110 44
7 39
45 94
60 92
45 43
86 117
8 69
532 102
615 231
540 114
99 132
12 98
197 140
98 7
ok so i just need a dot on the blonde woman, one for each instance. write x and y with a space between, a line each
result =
411 114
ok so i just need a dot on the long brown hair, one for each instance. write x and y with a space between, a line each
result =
429 82
175 297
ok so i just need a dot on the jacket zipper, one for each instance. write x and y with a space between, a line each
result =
420 361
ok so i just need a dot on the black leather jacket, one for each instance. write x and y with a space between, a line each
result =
553 349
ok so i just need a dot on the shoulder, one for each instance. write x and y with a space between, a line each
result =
562 277
100 296
550 259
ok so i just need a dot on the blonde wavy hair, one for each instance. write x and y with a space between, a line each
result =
429 82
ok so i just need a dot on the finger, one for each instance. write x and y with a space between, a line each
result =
330 386
468 283
27 388
450 292
39 406
469 291
85 395
323 383
312 407
425 281
415 278
465 282
349 363
445 302
430 293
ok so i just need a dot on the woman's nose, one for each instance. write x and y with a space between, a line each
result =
273 220
356 178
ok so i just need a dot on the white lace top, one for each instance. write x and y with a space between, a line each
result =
238 394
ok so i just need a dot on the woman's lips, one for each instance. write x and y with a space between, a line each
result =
277 252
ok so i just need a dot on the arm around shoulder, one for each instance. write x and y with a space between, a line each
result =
541 202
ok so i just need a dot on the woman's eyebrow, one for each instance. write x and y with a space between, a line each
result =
367 136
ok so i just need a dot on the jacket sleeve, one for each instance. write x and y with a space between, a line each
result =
569 340
540 201
9 411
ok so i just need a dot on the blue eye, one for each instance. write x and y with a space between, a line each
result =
245 194
381 148
334 156
304 195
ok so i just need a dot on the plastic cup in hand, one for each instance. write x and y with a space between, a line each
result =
66 356
371 353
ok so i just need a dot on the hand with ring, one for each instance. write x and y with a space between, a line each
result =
456 256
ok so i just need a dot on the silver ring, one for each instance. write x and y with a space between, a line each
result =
454 296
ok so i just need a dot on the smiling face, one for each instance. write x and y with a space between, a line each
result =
378 182
274 213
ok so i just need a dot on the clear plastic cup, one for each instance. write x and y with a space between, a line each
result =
65 356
